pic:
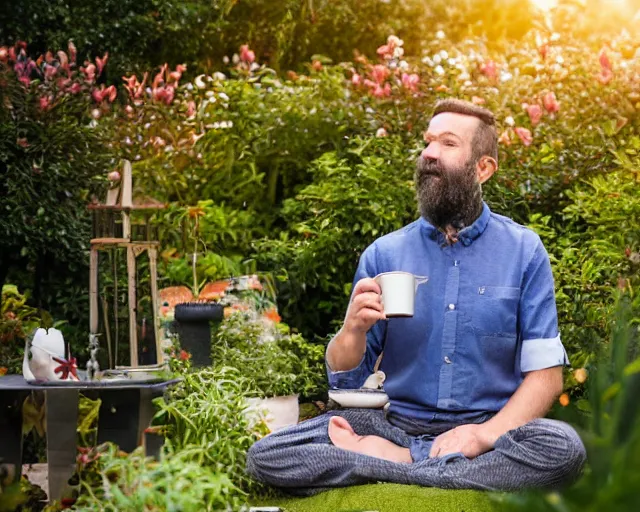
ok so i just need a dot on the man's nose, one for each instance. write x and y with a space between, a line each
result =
430 152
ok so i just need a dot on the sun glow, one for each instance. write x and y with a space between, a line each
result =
544 5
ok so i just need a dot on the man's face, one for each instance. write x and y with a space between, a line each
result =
446 176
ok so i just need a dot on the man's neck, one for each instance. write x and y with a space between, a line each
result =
451 229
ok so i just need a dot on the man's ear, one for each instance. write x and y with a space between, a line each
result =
485 168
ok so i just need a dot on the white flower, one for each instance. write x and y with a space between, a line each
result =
254 66
235 59
444 54
439 70
168 149
404 65
451 61
189 86
209 94
225 59
559 59
229 124
398 52
428 61
395 40
381 132
223 96
440 34
95 113
437 59
464 76
468 83
147 126
199 83
219 76
510 121
216 125
554 37
505 76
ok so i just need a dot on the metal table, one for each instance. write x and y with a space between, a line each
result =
125 412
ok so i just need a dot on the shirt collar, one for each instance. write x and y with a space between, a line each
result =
466 235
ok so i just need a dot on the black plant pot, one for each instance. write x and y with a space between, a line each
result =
193 324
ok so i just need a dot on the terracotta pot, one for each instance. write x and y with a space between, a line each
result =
278 411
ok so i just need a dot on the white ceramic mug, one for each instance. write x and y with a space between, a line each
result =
399 292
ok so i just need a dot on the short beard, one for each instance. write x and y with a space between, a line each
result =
448 198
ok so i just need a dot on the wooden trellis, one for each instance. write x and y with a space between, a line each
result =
113 231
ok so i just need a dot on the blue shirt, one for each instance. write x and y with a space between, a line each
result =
486 316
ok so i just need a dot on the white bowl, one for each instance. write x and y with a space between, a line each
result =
364 398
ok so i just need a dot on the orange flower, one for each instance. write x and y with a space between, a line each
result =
535 114
195 211
477 100
184 355
272 314
564 399
505 138
3 371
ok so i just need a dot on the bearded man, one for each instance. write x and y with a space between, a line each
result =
472 374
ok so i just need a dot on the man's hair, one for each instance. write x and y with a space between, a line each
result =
485 139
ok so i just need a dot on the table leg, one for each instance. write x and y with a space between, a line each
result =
11 435
62 422
119 418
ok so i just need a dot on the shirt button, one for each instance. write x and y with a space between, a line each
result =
447 360
452 307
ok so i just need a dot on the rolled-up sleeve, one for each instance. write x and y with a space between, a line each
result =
541 344
354 378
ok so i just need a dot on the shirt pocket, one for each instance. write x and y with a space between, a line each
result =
495 310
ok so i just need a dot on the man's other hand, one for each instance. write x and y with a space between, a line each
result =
470 440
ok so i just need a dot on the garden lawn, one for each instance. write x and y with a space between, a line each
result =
388 498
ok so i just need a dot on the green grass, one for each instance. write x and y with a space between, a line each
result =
388 498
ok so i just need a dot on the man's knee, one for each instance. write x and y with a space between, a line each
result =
557 446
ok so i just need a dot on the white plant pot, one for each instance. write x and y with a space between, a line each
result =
278 412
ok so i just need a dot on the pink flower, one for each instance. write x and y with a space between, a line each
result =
64 60
489 69
606 69
102 62
75 88
104 93
477 100
384 50
379 73
410 81
356 79
49 71
113 176
191 108
89 72
23 143
524 135
246 55
316 65
164 94
505 138
369 83
4 54
382 92
45 102
551 103
605 63
543 50
72 52
159 78
135 88
535 114
174 76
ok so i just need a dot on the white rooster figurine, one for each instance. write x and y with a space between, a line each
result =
47 360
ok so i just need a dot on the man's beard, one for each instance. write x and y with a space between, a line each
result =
448 197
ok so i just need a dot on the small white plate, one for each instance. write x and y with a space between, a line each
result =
364 398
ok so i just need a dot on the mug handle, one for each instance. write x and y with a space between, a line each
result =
421 280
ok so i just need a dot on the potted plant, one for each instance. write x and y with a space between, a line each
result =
282 366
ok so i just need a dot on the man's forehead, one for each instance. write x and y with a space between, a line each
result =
460 125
